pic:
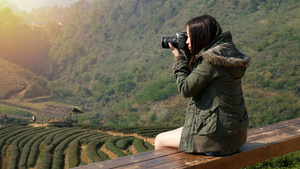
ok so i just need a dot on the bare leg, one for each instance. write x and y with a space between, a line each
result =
168 139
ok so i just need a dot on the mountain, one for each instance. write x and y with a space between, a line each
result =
106 57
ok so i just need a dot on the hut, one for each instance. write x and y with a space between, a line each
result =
59 115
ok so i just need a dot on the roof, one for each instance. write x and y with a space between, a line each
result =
57 111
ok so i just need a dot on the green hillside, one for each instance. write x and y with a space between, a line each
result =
22 88
106 57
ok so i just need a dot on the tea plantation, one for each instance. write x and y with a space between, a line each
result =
53 147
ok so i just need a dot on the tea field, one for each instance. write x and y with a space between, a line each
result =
53 147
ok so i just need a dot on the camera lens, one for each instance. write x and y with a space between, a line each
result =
166 40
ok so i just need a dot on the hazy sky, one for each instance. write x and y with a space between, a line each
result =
27 4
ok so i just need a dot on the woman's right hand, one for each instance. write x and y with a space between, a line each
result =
176 52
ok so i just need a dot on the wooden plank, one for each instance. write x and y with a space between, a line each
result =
235 161
152 163
253 156
269 127
132 159
282 132
263 143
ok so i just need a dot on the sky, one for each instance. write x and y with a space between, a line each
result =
27 5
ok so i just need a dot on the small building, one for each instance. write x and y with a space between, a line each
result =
38 25
59 115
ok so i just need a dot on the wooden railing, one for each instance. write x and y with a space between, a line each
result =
263 143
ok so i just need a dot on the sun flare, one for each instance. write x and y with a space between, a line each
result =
27 5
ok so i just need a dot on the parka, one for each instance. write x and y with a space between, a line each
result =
216 105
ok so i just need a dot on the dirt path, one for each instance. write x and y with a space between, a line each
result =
66 158
133 150
83 155
110 154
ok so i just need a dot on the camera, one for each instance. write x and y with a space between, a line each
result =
178 42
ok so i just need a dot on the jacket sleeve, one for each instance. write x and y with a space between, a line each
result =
191 83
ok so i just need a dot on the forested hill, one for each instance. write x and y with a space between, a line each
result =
106 56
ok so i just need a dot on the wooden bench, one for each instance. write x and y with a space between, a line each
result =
263 143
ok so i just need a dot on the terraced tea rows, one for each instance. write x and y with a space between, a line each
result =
38 147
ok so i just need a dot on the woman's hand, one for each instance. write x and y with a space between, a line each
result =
176 52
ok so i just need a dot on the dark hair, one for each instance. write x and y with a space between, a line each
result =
203 29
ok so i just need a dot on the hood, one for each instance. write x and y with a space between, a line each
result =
223 52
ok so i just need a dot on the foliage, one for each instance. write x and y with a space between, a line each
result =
105 56
139 145
110 145
125 142
92 149
58 158
16 147
290 160
14 111
157 91
32 146
73 150
111 66
50 149
149 146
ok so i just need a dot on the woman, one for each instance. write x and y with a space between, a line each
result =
209 75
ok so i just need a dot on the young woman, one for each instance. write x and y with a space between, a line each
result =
209 75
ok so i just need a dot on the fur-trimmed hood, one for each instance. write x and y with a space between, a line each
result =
226 55
223 52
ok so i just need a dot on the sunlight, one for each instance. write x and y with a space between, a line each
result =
27 5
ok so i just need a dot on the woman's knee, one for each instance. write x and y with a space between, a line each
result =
168 139
159 141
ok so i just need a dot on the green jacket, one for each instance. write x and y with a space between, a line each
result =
216 105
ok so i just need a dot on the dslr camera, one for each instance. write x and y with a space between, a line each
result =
178 42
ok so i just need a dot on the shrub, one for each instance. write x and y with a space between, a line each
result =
110 145
91 149
125 142
73 150
52 136
149 146
139 145
58 158
47 155
28 147
6 139
15 148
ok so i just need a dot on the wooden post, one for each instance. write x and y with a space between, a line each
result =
76 119
5 116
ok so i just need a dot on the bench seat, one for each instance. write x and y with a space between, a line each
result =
263 143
